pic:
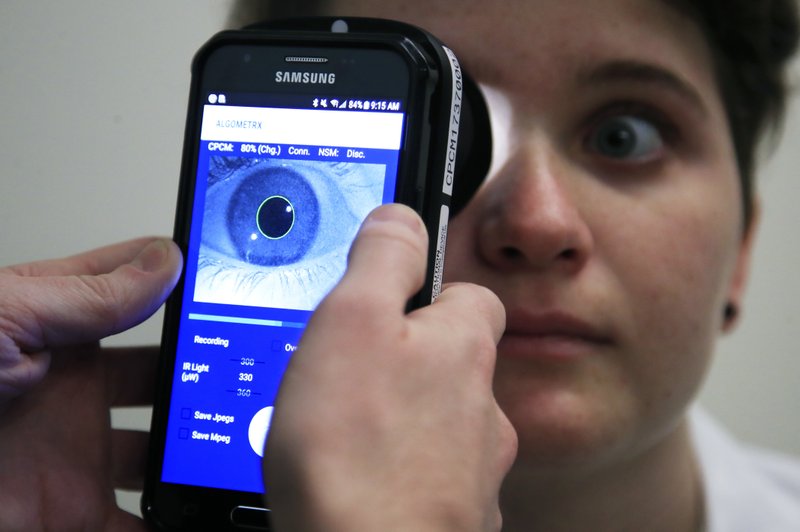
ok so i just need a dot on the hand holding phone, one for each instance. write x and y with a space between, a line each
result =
387 420
60 459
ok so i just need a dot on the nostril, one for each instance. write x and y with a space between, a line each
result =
510 252
568 254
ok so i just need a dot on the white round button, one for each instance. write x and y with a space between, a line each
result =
259 427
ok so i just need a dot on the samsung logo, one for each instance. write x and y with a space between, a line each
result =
309 78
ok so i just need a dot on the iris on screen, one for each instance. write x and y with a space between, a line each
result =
276 232
273 216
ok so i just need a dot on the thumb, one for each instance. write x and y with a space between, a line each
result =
386 265
89 296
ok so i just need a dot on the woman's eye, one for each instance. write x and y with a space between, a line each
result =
276 232
626 138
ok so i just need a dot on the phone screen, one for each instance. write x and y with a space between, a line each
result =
283 182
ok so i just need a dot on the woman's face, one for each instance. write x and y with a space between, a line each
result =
610 224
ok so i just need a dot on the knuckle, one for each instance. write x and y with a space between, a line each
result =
19 372
19 336
508 441
478 301
487 304
497 522
19 325
101 296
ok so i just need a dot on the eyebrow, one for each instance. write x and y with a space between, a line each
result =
639 72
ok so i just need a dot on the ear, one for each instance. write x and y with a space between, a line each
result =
741 272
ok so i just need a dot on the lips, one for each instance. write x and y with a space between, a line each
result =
553 335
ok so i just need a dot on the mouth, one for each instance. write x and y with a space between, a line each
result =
551 335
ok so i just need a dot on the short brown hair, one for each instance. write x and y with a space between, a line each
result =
751 42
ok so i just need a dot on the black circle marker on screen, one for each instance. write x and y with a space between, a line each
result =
275 217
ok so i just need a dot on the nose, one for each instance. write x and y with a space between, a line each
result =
531 214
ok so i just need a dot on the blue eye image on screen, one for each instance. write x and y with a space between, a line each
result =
276 232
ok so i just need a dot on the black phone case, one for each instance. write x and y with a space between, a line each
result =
432 159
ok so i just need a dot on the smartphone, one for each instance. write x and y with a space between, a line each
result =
295 131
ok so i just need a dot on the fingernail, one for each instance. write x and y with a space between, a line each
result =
396 213
152 256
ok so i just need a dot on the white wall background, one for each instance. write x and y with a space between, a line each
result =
92 105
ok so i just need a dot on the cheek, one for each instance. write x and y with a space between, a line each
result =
673 262
463 262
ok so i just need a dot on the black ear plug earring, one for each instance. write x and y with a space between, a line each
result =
731 312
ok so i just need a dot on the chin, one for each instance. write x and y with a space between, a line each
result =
562 423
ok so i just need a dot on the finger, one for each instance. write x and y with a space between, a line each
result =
472 306
507 445
94 262
52 311
18 373
131 375
470 319
129 458
386 265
